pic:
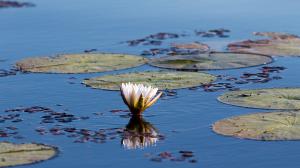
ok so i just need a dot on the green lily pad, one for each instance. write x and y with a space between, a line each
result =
262 126
211 61
279 44
278 98
80 63
160 79
20 154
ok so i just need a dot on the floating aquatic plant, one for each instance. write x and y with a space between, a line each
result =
20 154
138 97
193 45
220 32
210 61
181 156
276 98
279 125
279 44
139 134
15 4
160 79
179 49
80 63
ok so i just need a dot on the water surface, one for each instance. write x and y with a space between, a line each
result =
68 26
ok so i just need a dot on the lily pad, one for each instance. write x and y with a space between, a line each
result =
278 44
262 126
278 98
160 79
20 154
14 4
210 61
191 46
80 63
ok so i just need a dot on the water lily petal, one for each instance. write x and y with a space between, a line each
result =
153 100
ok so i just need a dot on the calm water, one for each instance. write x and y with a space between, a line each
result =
70 26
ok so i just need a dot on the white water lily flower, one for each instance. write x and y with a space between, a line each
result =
139 97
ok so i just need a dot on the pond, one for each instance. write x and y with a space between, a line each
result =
184 121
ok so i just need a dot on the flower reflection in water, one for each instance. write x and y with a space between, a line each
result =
139 134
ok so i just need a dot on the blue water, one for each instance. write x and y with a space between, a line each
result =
71 26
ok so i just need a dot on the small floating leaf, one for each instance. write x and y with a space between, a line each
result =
210 61
221 32
262 126
153 39
80 63
14 4
191 46
279 44
160 79
277 98
20 154
181 156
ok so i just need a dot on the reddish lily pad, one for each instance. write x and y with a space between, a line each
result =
211 61
278 44
277 98
80 63
14 4
160 79
20 154
267 126
191 46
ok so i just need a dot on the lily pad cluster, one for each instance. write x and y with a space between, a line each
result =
153 39
160 79
10 131
4 72
21 154
180 156
49 115
221 32
14 4
278 125
83 135
278 44
80 63
179 49
282 125
232 83
192 56
157 38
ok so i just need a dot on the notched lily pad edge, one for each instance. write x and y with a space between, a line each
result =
263 37
56 150
261 108
88 86
213 52
252 139
55 55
